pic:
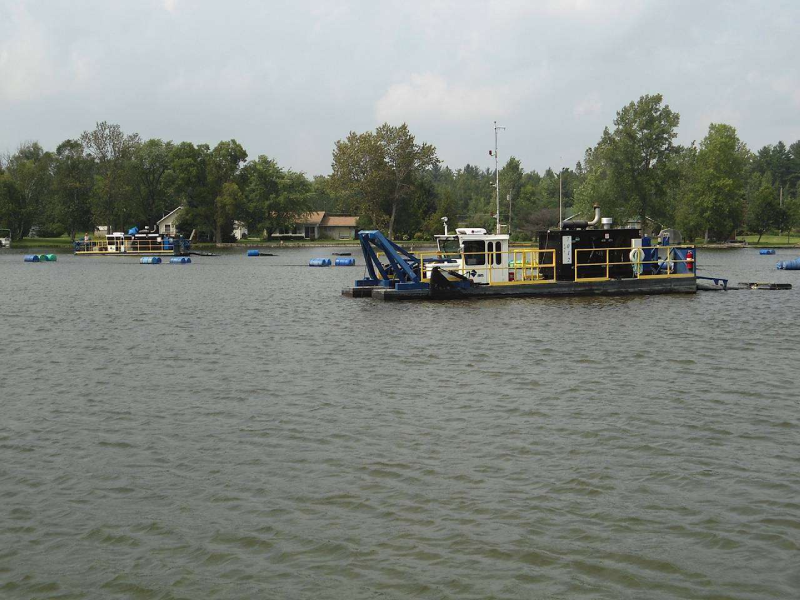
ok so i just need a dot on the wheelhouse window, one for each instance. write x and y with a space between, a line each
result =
448 245
474 253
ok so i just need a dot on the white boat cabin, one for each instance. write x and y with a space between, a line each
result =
142 241
480 256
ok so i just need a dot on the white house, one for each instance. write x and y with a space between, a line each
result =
167 225
239 230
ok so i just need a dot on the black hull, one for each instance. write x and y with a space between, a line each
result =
617 287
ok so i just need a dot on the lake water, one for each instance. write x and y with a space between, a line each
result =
235 428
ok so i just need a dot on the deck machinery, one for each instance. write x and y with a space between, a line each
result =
576 259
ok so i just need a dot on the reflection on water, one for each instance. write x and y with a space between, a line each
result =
235 428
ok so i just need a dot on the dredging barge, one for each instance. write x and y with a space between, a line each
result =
577 259
134 243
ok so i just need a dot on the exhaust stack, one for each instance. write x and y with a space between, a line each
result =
596 219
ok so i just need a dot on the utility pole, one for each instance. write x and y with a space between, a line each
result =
508 197
497 175
560 195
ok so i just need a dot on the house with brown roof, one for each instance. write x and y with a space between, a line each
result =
320 224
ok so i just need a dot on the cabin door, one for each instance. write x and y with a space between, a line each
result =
497 260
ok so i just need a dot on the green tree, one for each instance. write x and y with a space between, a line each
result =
635 160
292 201
445 207
229 204
112 151
198 176
151 163
788 215
794 167
377 172
717 188
763 214
322 198
73 179
30 170
511 176
225 162
12 207
777 161
472 189
275 199
188 185
598 187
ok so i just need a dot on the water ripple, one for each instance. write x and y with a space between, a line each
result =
237 429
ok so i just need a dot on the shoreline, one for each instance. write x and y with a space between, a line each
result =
32 243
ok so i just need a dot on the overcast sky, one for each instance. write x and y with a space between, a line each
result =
288 79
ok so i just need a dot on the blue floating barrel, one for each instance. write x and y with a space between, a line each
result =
345 262
765 251
32 258
253 253
319 262
180 260
789 265
150 260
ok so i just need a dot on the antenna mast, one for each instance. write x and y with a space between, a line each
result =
497 175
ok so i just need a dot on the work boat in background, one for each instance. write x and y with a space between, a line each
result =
578 258
134 243
5 238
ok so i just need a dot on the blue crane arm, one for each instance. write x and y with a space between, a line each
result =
402 262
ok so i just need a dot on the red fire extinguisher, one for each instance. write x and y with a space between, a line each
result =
690 260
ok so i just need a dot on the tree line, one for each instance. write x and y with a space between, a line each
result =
714 189
106 177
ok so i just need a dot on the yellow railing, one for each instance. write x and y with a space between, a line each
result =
521 265
124 247
637 265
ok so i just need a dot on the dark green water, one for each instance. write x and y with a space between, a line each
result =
235 428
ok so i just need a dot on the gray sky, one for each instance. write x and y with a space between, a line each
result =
288 79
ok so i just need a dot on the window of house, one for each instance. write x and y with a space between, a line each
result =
471 259
166 228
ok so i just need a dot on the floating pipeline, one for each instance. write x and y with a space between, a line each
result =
32 258
345 262
253 253
789 265
150 260
766 251
50 257
180 260
319 262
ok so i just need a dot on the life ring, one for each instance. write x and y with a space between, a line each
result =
636 256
